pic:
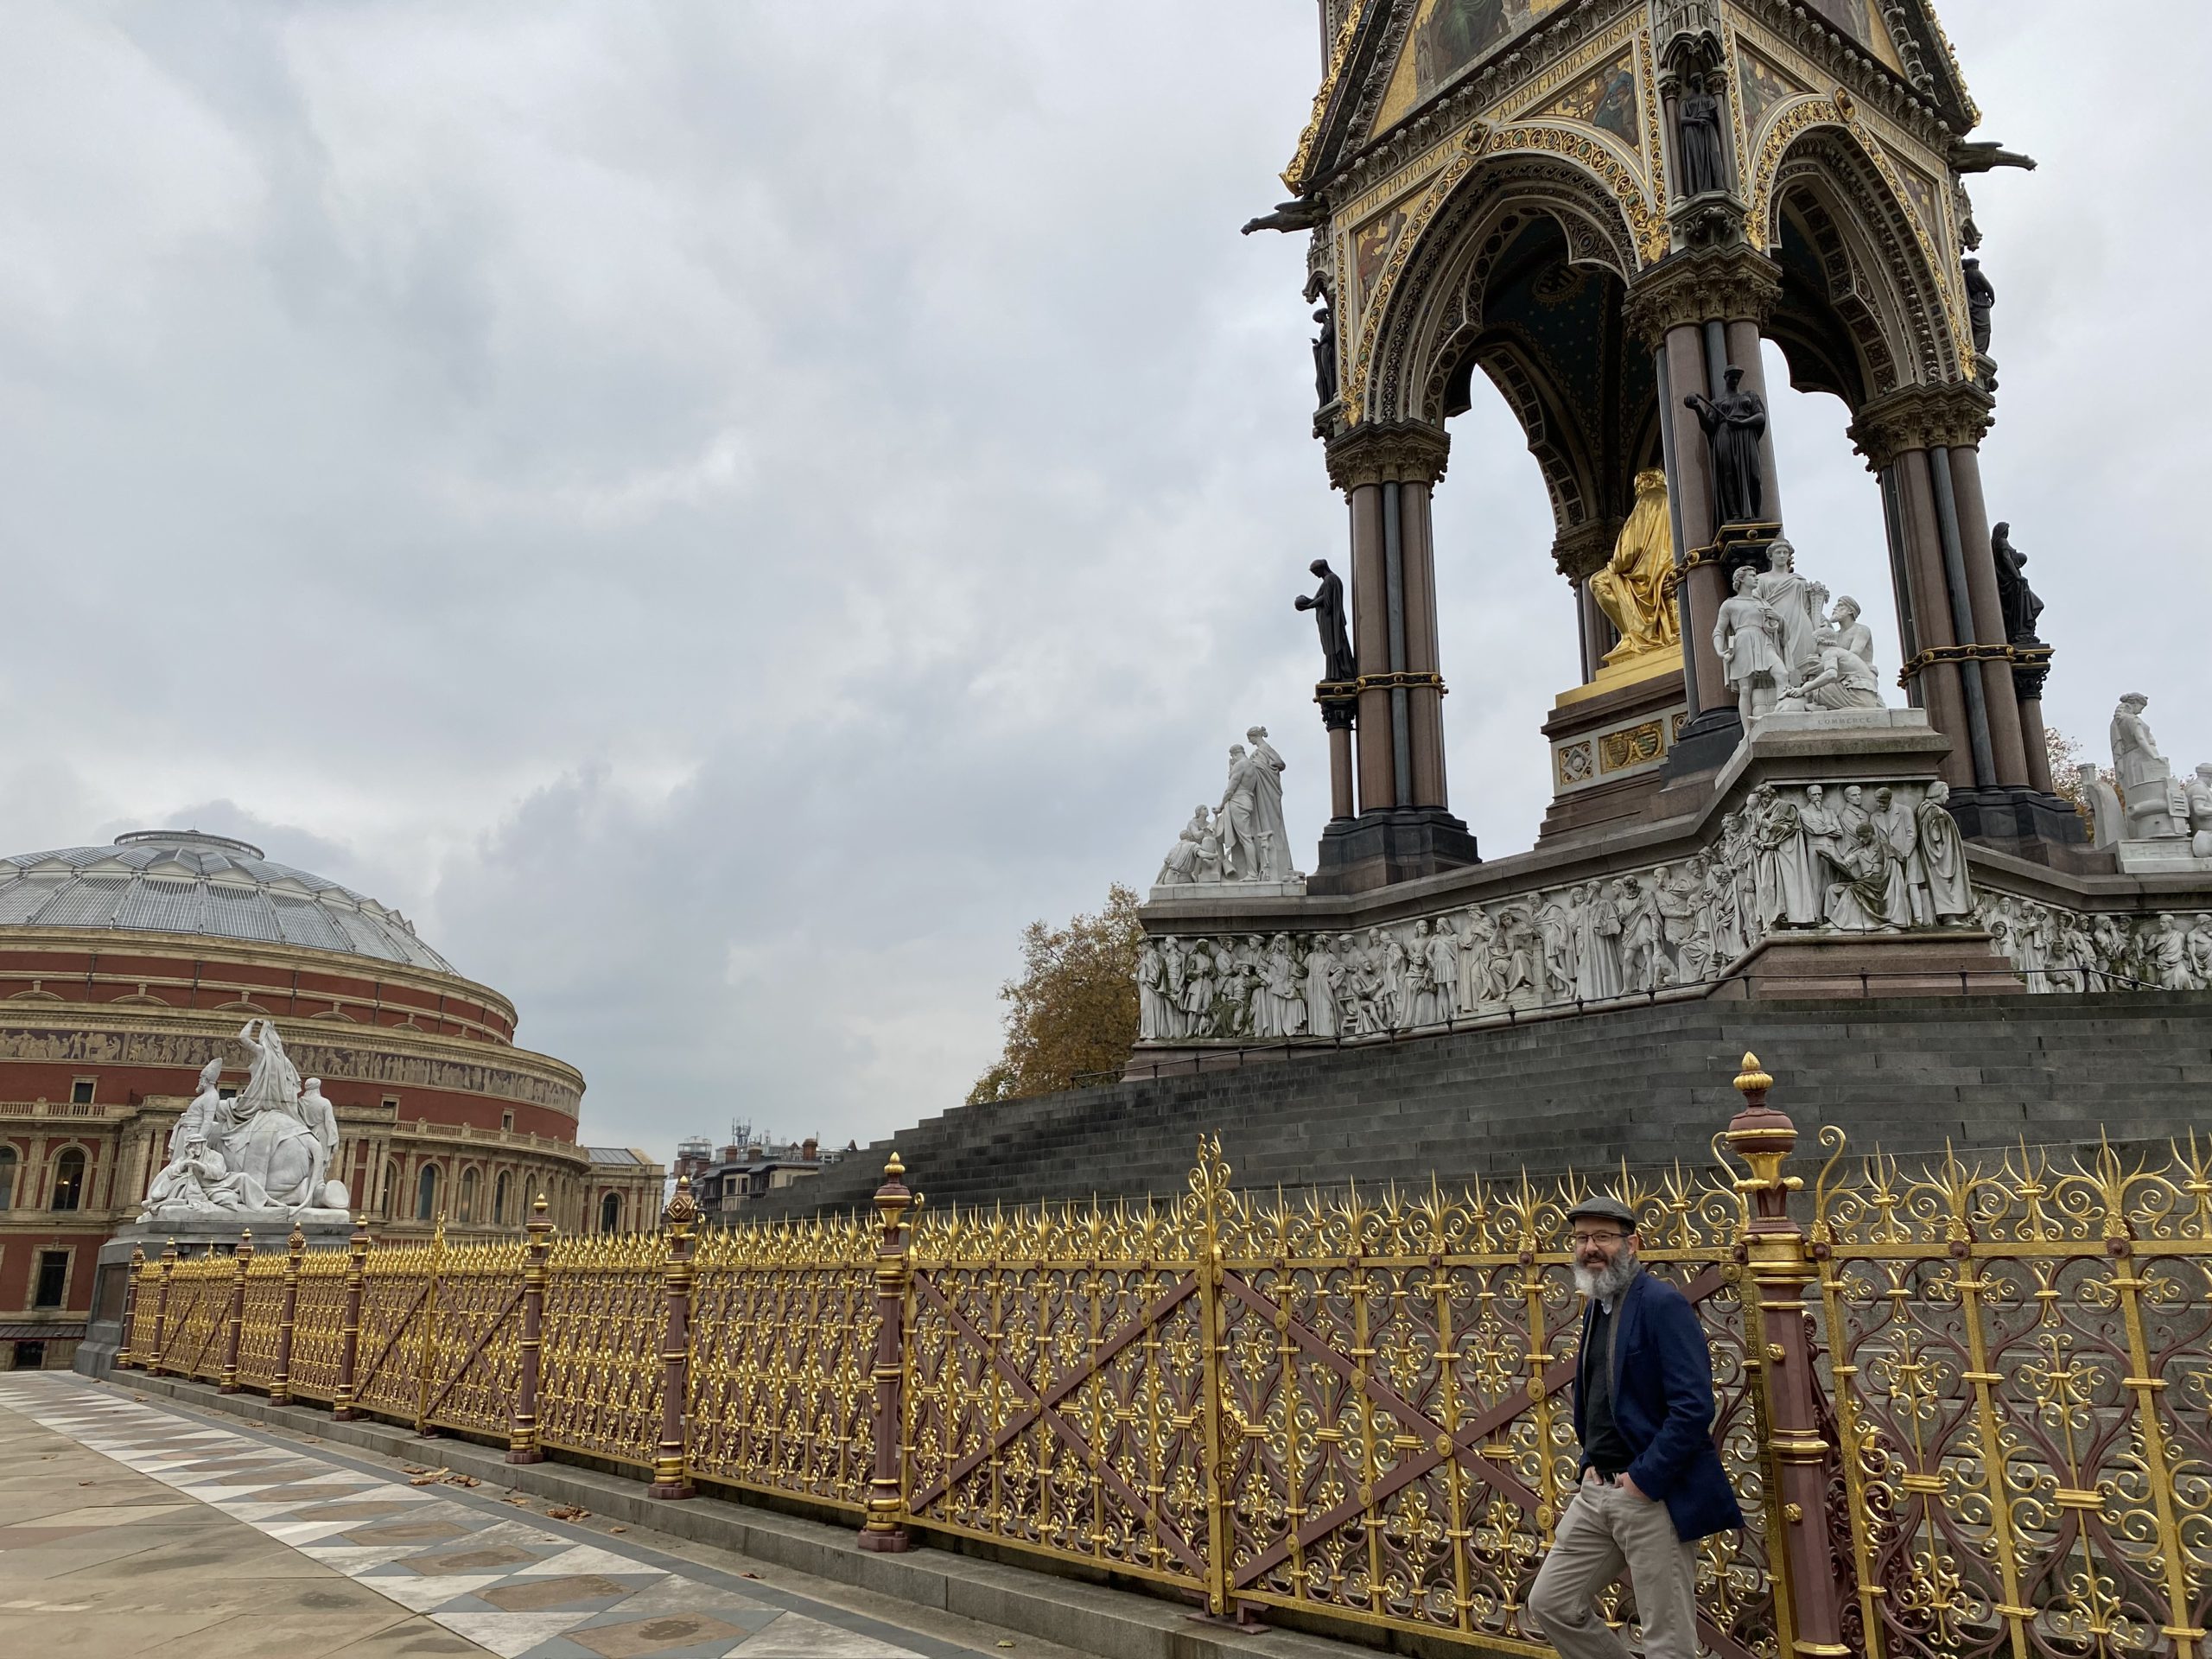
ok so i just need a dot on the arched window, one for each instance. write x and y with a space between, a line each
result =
69 1179
7 1177
499 1200
391 1191
426 1193
610 1213
468 1195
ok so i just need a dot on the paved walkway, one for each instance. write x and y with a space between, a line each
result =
128 1527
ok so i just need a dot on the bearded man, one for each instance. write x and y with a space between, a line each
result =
1651 1484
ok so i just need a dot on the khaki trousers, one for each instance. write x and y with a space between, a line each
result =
1604 1530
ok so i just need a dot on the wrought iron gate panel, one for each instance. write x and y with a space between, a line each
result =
1055 1394
600 1387
2026 1399
318 1320
1398 1439
475 1345
200 1303
783 1343
399 1309
263 1307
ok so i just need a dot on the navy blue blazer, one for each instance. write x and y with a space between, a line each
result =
1662 1406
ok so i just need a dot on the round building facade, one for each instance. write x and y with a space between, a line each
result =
125 969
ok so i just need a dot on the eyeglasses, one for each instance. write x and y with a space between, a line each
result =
1582 1239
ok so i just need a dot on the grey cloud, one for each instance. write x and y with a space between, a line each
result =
721 514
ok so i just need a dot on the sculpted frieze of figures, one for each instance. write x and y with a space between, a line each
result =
188 1049
1848 858
2056 948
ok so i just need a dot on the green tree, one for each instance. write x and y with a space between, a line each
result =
1074 1009
2066 755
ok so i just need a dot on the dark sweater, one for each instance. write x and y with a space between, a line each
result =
1603 1448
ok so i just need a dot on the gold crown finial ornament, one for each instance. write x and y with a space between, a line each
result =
893 1169
1753 1078
683 1209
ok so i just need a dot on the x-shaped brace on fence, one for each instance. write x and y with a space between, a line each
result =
461 1371
1040 1406
398 1330
1463 1444
215 1329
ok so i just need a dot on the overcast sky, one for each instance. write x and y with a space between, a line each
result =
723 511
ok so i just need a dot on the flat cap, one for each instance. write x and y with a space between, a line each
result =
1610 1209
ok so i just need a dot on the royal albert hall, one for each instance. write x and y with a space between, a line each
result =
125 969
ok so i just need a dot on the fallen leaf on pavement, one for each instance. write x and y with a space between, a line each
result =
567 1512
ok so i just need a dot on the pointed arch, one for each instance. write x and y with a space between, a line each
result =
1435 306
1864 267
1521 273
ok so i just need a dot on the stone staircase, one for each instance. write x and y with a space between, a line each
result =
1650 1085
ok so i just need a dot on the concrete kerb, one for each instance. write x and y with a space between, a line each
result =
1090 1618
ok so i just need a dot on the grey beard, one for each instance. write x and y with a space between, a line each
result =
1607 1282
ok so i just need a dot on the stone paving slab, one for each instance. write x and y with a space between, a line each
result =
400 1569
101 1560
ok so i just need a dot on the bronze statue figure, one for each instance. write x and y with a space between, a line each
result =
1980 296
1324 358
1704 160
1734 423
1327 604
2022 607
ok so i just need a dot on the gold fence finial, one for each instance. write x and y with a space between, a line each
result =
1753 1078
893 1169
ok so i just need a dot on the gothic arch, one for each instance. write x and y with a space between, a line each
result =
1435 309
1863 312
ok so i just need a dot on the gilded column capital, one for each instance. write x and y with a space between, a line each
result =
1699 285
1396 452
1953 416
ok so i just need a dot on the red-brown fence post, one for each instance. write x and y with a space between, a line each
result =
126 1351
522 1429
161 1310
288 1312
349 1333
1780 1267
886 1528
668 1475
234 1326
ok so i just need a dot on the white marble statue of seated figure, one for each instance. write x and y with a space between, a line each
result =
199 1184
1844 680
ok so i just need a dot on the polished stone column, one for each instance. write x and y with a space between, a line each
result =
1371 644
1939 685
2007 734
1424 703
1913 435
1404 826
1701 311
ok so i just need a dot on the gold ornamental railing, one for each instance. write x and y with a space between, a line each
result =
1966 1404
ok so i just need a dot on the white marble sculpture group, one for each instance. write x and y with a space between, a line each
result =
1244 840
264 1154
2155 820
1849 858
1784 649
2060 949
